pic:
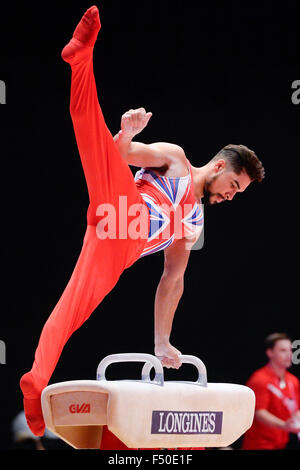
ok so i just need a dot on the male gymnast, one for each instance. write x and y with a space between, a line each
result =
165 186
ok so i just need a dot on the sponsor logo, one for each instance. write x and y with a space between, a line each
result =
83 408
186 422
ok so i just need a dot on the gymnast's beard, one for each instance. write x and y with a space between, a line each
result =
206 196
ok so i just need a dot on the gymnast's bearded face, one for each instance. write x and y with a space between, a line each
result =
222 183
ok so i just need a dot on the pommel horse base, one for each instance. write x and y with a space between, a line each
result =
148 413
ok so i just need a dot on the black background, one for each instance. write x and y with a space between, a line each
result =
212 74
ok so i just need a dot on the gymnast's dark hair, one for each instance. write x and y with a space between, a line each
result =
241 158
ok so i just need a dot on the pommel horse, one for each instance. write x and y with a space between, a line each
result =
148 413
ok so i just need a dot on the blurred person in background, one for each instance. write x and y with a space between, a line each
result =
277 392
24 439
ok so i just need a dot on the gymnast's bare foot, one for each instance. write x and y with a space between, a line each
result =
84 36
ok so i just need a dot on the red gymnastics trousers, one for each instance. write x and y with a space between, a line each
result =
101 261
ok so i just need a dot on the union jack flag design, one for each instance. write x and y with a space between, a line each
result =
173 209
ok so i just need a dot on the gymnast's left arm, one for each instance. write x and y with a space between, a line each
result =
168 295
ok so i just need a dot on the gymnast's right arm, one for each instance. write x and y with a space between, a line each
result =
168 294
143 155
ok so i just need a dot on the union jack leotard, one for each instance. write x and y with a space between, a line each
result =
174 211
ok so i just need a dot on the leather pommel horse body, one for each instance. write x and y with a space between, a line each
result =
148 413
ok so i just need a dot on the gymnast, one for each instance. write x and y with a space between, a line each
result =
166 185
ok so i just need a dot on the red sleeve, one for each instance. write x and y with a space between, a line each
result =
259 387
296 385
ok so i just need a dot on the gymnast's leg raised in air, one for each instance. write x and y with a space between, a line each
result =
101 261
